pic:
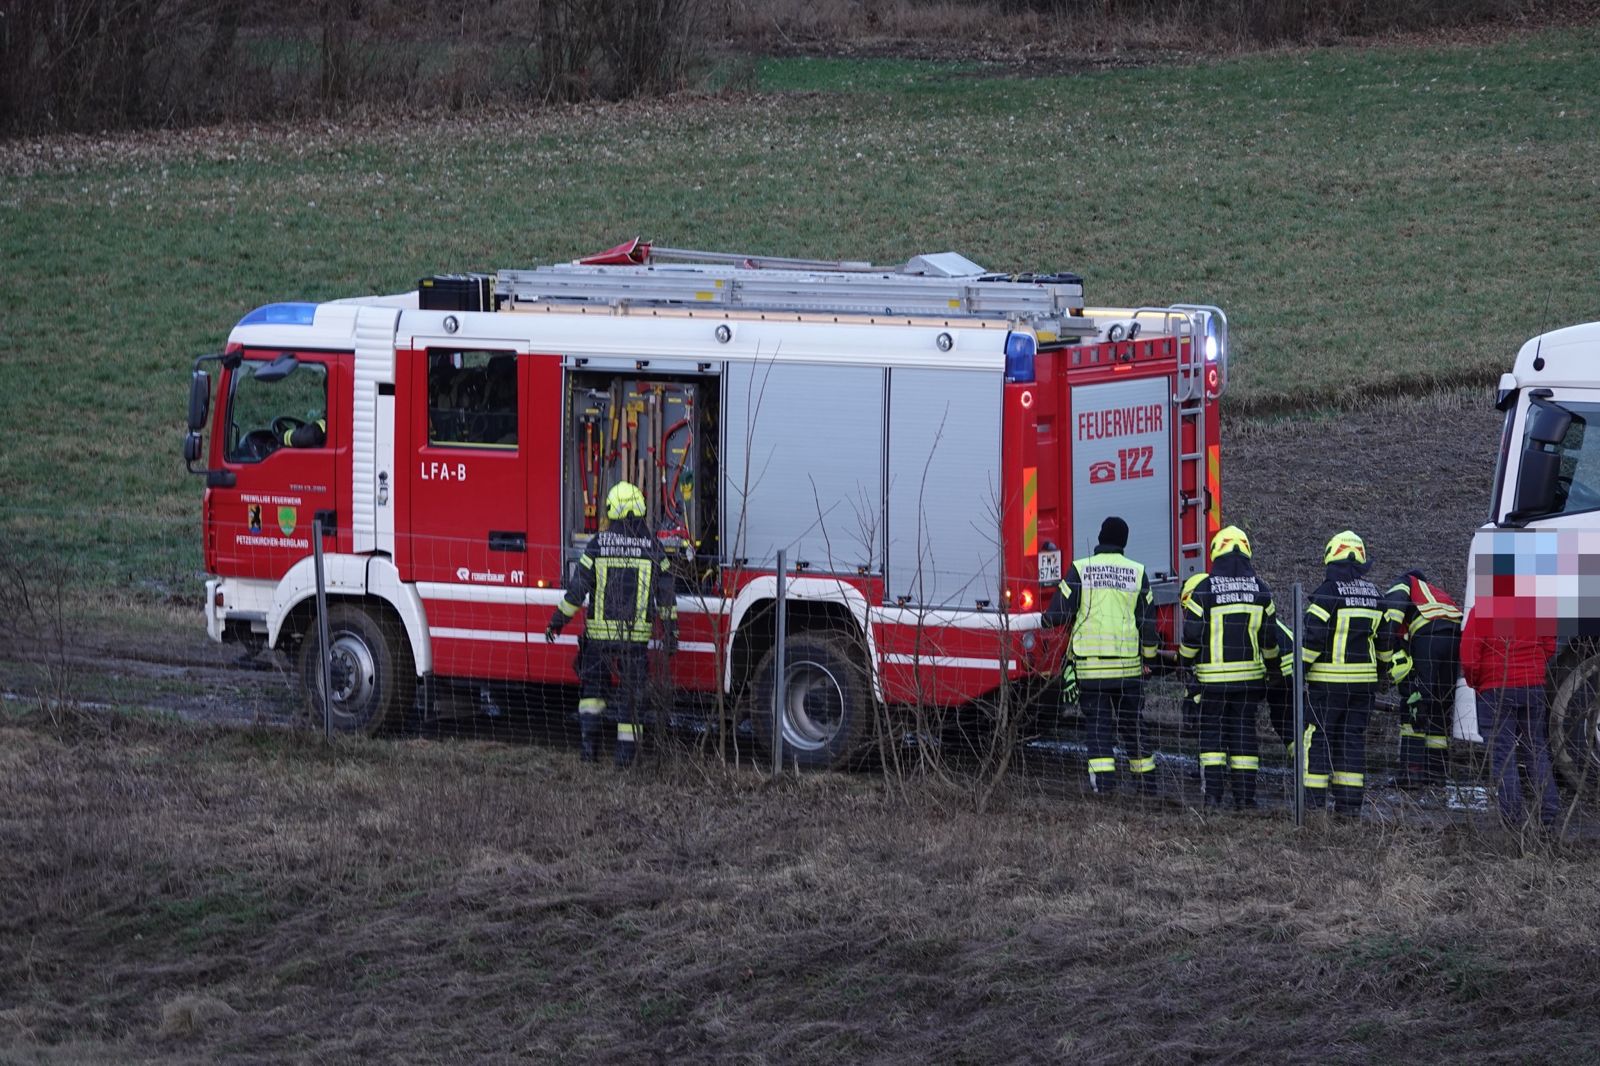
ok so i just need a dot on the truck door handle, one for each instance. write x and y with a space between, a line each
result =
501 541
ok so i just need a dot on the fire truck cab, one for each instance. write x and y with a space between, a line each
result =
927 443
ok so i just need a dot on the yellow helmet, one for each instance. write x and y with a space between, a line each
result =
624 499
1228 539
1187 592
1345 545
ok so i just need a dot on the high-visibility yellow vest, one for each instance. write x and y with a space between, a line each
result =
1105 630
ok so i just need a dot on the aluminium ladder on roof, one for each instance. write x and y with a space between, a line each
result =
733 288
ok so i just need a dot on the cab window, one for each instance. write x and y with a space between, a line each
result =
1578 480
281 403
472 399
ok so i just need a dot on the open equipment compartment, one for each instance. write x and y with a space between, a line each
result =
658 432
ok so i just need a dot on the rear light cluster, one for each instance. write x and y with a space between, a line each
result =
1024 599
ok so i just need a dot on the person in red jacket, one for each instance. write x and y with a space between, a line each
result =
1505 653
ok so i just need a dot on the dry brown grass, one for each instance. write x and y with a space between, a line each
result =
466 902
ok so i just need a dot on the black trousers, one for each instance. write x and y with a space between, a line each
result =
1337 753
1111 711
1230 749
1425 724
612 675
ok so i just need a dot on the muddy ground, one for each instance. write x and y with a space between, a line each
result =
1412 476
186 893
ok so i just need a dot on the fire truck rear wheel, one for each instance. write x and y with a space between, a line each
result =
1575 723
371 672
827 710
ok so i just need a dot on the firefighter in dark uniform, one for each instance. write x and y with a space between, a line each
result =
624 579
1230 640
1106 600
1427 625
1347 644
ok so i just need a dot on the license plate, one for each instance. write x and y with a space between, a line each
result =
1049 568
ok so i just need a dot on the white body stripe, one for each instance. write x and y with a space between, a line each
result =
374 365
501 636
948 662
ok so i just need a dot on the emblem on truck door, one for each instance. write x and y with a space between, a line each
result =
1101 472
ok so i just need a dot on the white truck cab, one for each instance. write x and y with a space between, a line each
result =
1542 539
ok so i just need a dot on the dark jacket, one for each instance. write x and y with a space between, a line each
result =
624 577
1347 639
1230 626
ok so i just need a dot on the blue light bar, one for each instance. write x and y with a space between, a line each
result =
1020 350
289 314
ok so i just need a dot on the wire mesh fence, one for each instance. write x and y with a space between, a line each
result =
447 639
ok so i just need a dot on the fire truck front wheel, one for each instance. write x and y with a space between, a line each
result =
826 711
370 671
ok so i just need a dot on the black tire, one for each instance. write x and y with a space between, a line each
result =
827 720
1575 723
373 679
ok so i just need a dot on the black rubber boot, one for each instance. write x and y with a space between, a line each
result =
1244 789
627 745
1438 761
589 737
1214 782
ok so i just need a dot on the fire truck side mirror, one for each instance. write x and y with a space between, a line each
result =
1537 477
1536 483
191 447
1548 422
278 369
199 402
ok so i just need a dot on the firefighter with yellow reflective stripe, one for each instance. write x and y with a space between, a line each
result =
1106 599
1229 641
1347 644
1427 662
624 579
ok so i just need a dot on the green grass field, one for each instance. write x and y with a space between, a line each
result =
1374 220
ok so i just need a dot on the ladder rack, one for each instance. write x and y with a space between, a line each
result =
847 288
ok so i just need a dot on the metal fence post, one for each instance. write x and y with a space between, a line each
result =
1301 756
780 674
322 632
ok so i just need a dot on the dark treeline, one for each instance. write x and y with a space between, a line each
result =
96 64
92 64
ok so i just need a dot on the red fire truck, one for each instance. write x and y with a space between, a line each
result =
926 443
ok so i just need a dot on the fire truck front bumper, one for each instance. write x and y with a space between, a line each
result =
237 610
214 613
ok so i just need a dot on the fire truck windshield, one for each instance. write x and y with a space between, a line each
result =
265 413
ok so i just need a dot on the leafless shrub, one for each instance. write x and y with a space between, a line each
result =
36 622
